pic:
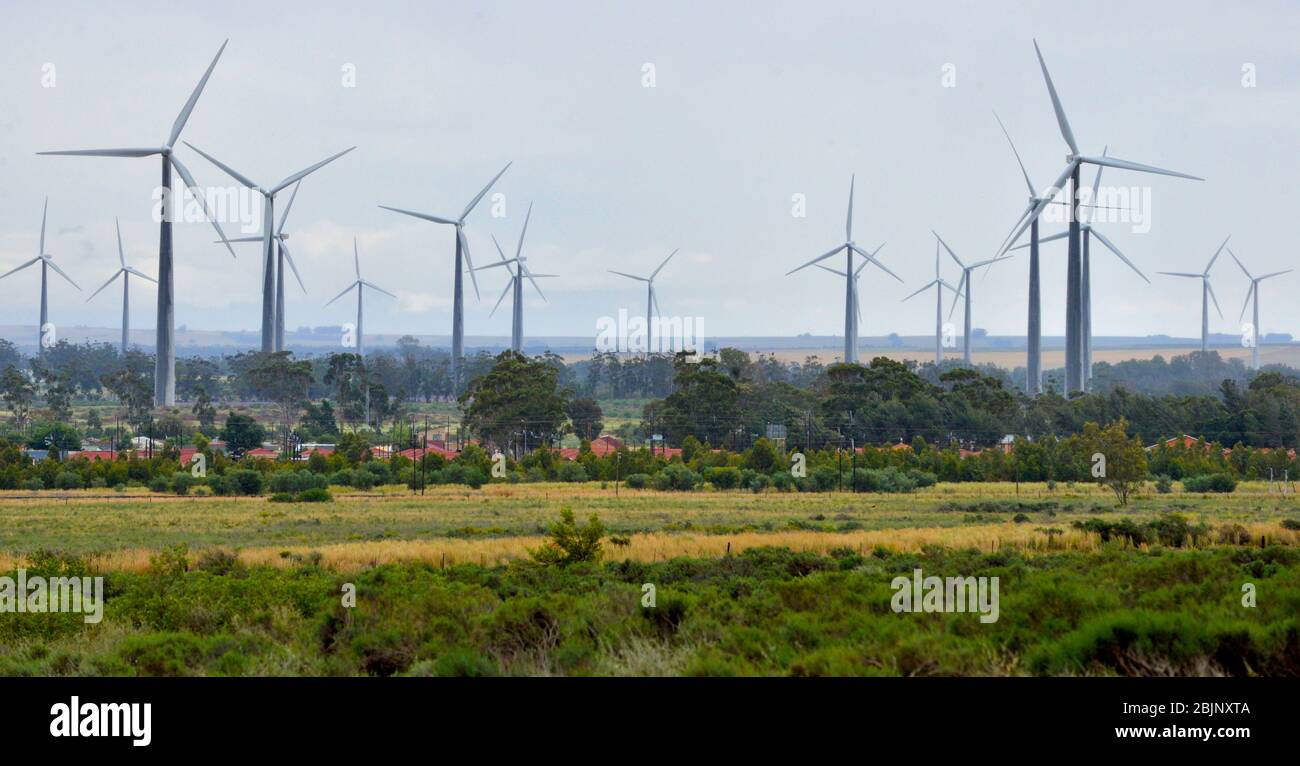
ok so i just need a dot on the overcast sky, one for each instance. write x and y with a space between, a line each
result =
753 103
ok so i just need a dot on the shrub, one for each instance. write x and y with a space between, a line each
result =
1210 482
1292 524
67 480
570 543
281 497
571 472
159 484
315 495
676 476
182 481
1163 484
245 481
637 481
725 477
783 481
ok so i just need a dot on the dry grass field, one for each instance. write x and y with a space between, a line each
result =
501 522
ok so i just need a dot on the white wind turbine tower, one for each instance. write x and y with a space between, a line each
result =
360 286
458 292
1034 329
651 301
282 245
1075 345
516 284
1207 294
1088 231
938 283
125 272
47 262
849 248
964 281
164 380
272 256
1252 295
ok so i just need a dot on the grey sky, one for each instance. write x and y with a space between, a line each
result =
754 102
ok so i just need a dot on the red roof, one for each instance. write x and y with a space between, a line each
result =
94 454
263 452
415 453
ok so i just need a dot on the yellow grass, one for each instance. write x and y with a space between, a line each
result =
353 556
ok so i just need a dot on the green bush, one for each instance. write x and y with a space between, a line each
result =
1164 485
676 476
723 477
244 481
637 480
315 495
182 481
571 472
571 543
1210 482
159 484
67 480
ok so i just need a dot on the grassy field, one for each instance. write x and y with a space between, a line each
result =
747 584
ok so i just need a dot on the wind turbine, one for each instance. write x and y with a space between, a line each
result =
516 284
1074 332
1085 283
282 246
938 283
1253 295
359 285
651 300
164 381
857 302
849 248
47 262
1034 333
272 338
1207 294
125 272
458 297
965 280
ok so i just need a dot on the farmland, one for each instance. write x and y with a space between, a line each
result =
747 583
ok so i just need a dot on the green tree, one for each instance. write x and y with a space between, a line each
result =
18 393
586 417
518 399
241 434
1125 466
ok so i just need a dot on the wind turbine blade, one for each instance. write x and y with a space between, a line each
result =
1274 274
848 220
654 298
235 174
301 174
817 259
480 195
655 273
536 287
1025 173
19 268
836 272
464 246
60 272
1181 274
956 294
509 284
496 264
179 125
424 216
1216 254
1116 251
1066 133
1115 162
1096 188
1043 202
251 238
1041 240
346 290
139 152
356 258
198 194
285 215
140 274
110 281
629 276
44 212
987 261
1239 263
519 249
1002 248
944 283
857 304
1253 286
374 286
1214 298
949 249
927 286
121 254
284 248
871 258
